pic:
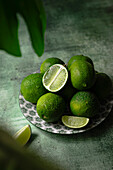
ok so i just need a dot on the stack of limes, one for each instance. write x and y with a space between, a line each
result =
76 84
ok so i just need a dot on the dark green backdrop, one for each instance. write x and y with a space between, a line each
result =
73 27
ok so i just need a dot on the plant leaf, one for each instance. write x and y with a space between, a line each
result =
34 16
33 13
39 5
9 28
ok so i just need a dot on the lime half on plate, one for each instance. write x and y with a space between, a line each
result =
74 121
55 78
23 135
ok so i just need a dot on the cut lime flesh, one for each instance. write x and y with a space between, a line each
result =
23 135
55 78
74 121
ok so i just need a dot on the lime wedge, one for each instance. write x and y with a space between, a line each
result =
74 121
23 135
55 78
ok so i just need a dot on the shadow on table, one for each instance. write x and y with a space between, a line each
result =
32 138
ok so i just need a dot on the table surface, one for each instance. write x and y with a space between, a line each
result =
73 27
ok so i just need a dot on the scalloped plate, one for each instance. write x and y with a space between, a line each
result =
29 111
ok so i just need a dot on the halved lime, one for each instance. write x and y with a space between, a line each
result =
23 135
74 121
55 78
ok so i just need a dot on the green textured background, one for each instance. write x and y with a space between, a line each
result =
73 27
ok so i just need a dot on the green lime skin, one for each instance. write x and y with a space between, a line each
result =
85 104
50 107
68 90
102 86
79 57
82 75
48 63
32 88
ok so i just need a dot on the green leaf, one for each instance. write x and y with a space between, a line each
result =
34 16
9 28
33 13
40 7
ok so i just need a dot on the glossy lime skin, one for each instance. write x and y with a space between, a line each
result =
85 104
68 90
32 88
48 63
50 107
82 75
79 57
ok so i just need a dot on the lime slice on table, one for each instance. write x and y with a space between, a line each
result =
23 135
74 121
55 78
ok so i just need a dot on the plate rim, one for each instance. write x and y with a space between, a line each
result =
72 130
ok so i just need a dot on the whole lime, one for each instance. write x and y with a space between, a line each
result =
68 91
82 75
79 57
85 104
49 62
32 87
102 86
50 107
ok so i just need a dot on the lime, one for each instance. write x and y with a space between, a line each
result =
74 121
102 86
55 78
50 107
68 90
84 104
82 75
49 62
79 57
23 135
32 87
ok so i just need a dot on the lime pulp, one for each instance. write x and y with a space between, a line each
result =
23 135
74 121
55 78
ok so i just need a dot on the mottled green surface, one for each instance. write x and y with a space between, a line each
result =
73 27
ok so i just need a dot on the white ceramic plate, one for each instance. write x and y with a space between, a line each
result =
29 111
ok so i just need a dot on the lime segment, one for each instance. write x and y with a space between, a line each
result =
23 135
74 121
55 78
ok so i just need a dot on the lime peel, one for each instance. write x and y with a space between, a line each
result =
23 135
74 121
